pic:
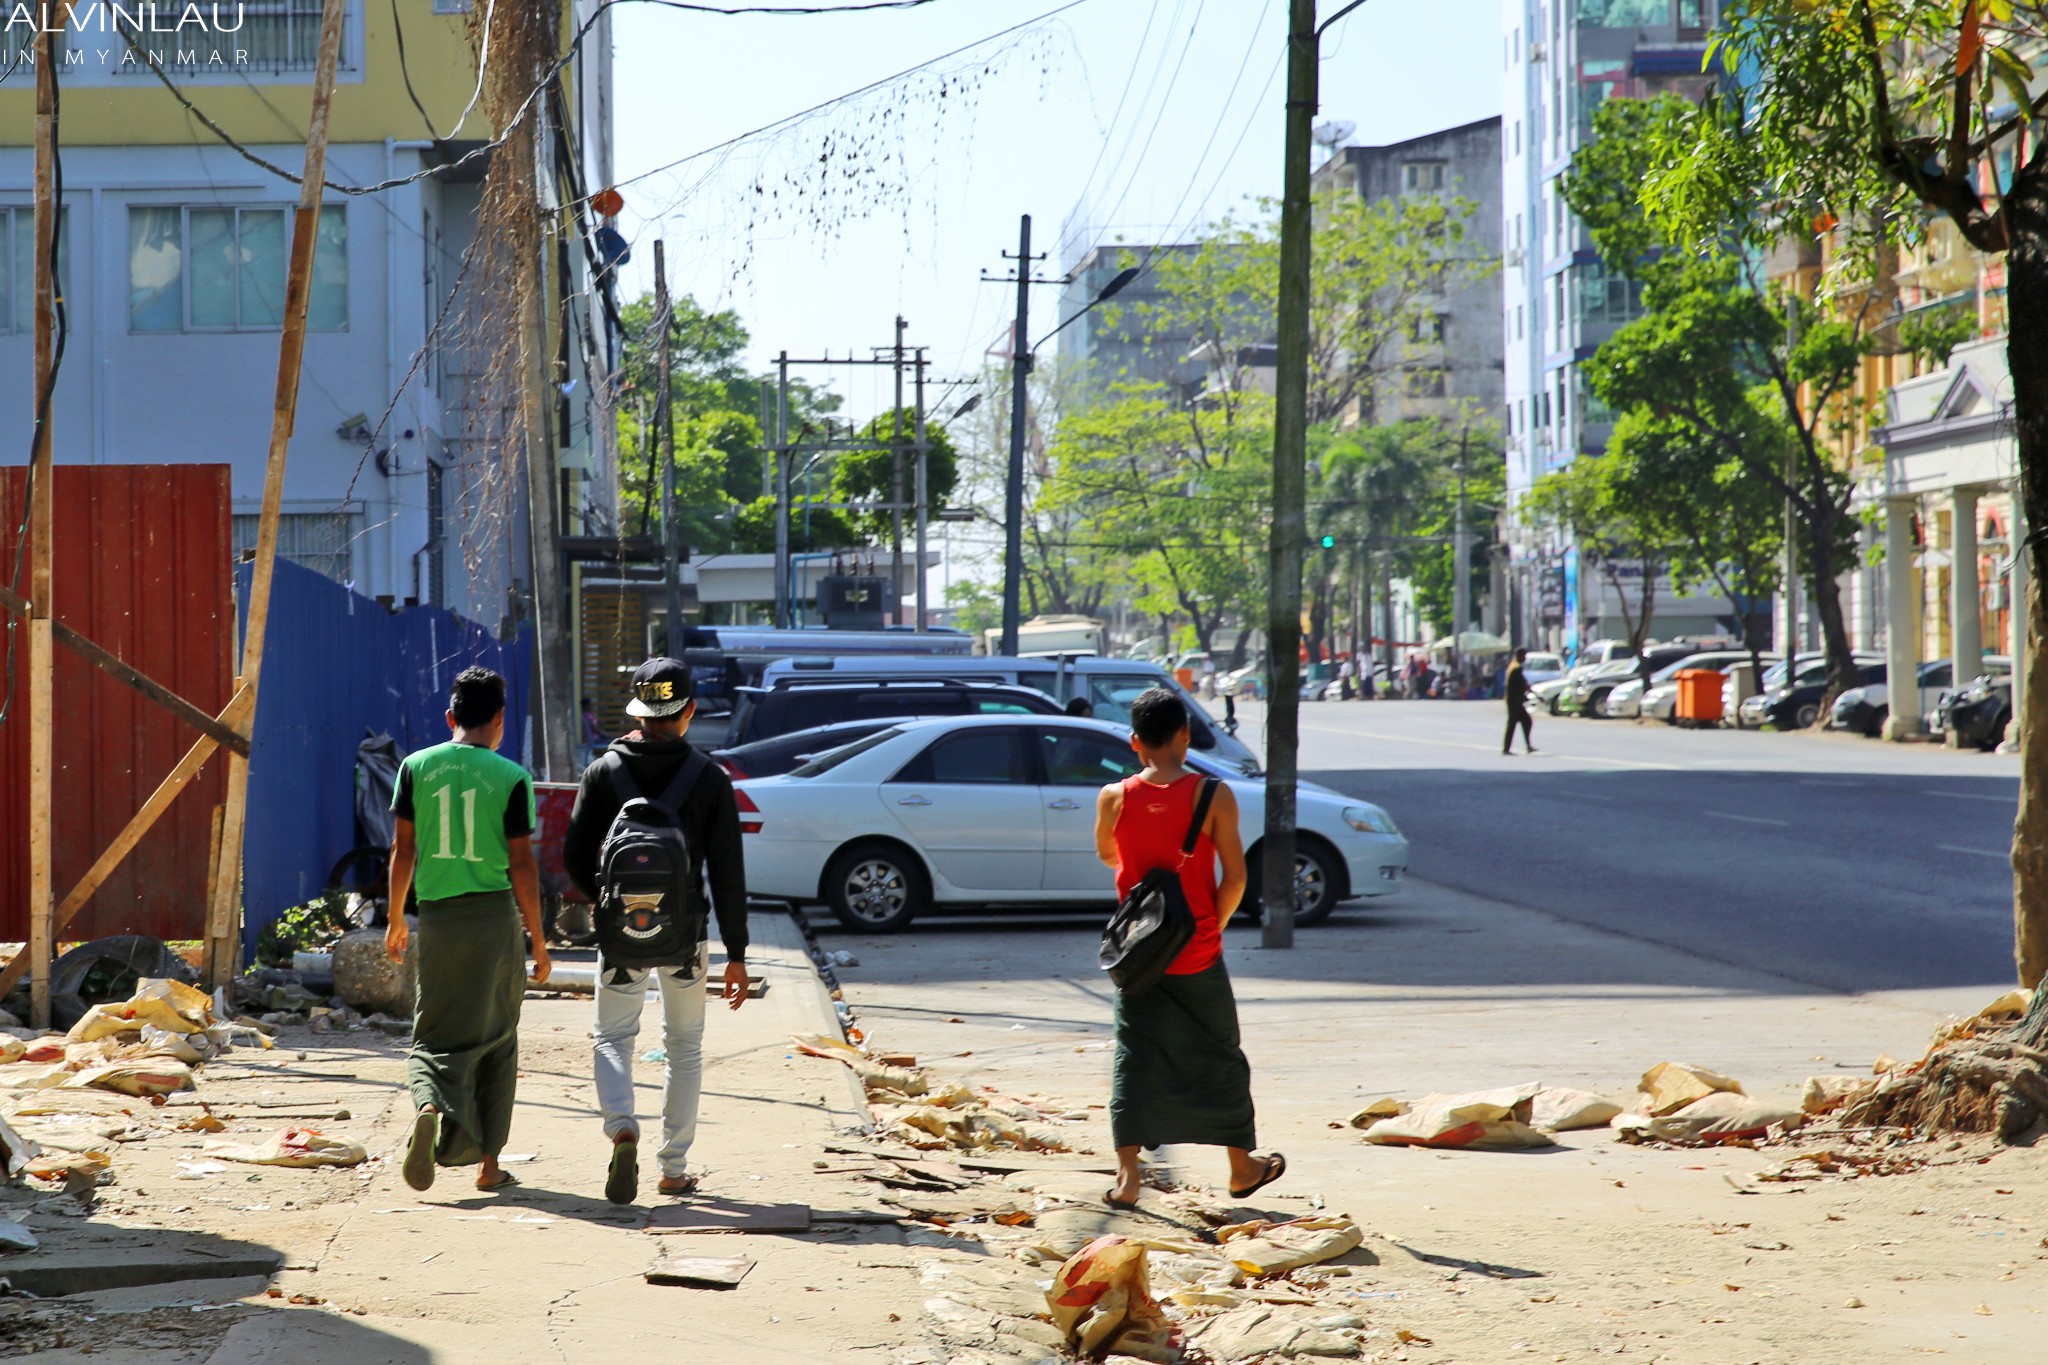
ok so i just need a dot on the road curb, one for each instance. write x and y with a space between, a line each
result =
813 995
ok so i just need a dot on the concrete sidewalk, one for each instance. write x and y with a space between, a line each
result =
547 1271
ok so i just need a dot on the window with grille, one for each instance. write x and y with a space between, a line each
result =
275 37
18 264
320 541
1427 329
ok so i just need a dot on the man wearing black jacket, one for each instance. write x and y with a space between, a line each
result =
664 703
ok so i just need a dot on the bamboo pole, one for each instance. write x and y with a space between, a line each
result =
222 920
42 648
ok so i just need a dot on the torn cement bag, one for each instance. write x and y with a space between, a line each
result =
1720 1117
873 1074
141 1076
1266 1248
190 1048
1483 1118
62 1166
1826 1094
1383 1108
11 1049
293 1147
36 1076
1669 1087
1100 1297
188 1003
101 1021
1558 1111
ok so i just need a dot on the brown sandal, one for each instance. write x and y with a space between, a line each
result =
1276 1166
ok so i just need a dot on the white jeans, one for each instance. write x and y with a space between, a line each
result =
682 1032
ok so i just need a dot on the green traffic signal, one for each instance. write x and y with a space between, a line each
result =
1329 542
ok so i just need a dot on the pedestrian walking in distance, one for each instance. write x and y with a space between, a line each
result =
657 931
1180 1075
1517 691
465 841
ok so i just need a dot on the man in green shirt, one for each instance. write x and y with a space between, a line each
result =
464 839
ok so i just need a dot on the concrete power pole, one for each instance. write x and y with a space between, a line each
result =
665 419
1290 478
1013 485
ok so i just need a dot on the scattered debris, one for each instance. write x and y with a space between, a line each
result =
714 1272
909 1108
1100 1299
1669 1087
1484 1118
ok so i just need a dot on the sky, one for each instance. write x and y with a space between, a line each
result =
1161 114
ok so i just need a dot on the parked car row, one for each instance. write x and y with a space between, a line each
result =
1646 686
884 788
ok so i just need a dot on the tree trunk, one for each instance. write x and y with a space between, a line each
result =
1826 596
2026 269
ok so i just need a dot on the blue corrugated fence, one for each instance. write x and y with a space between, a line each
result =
335 667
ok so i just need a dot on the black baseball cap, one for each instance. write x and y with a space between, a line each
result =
661 688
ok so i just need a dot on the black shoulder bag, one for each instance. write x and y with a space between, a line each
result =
1153 923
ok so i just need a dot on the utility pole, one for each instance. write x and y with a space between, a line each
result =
896 482
782 491
42 508
1791 641
665 419
1290 466
1461 566
1013 487
923 494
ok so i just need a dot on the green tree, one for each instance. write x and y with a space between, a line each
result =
1720 363
1588 502
1875 114
869 475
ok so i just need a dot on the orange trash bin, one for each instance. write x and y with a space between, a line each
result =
1699 696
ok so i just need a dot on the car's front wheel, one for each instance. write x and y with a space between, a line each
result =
1316 881
1806 715
875 886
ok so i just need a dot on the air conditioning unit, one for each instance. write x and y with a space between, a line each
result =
1513 259
1536 52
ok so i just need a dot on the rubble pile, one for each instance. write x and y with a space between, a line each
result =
910 1108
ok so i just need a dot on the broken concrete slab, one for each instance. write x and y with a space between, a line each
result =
53 1274
720 1215
700 1272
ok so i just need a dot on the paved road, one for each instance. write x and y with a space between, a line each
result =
1833 862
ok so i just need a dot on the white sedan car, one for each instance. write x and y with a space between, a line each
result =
1000 810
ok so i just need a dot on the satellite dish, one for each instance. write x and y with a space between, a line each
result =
1335 133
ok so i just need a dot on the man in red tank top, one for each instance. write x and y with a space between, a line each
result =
1180 1076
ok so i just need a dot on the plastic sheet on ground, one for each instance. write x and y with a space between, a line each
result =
1482 1119
19 1151
1101 1298
293 1147
1269 1248
1669 1087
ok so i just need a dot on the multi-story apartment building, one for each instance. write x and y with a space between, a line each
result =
1562 59
1127 342
1452 362
174 257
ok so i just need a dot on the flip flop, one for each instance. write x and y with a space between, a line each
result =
419 1152
622 1181
504 1178
1276 1166
678 1185
1120 1205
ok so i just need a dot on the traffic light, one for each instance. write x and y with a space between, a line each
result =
1329 542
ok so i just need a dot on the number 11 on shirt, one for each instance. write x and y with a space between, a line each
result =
446 798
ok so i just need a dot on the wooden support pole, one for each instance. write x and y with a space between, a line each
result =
42 650
223 920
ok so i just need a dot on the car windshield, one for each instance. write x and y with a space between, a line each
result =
1543 663
826 762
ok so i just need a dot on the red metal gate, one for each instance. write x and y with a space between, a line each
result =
143 568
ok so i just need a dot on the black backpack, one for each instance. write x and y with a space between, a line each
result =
1153 923
646 915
